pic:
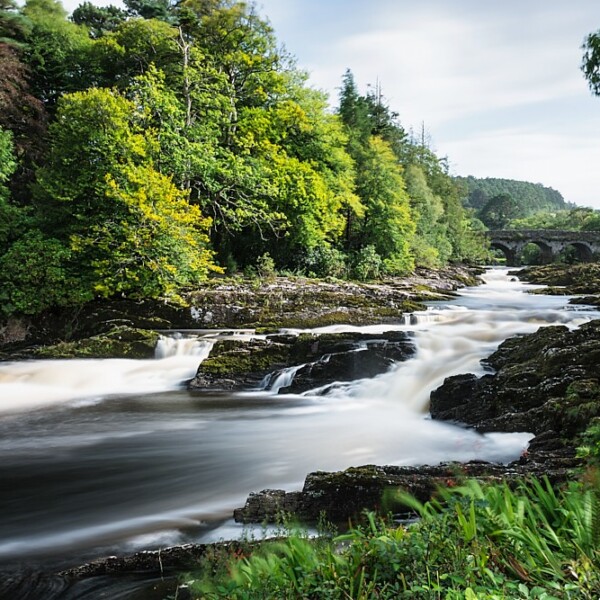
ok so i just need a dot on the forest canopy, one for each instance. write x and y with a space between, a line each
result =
145 148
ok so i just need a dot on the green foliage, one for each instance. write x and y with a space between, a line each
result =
98 19
366 263
387 223
324 261
179 130
37 272
473 541
430 244
14 26
131 229
13 219
575 219
265 267
591 61
8 164
56 50
157 246
529 198
590 443
498 211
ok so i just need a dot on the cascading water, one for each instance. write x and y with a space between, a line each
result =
118 456
34 384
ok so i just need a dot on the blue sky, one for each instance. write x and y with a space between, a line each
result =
496 82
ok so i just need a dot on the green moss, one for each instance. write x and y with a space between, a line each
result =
120 342
230 359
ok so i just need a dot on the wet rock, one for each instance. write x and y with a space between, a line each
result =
580 280
239 364
343 495
548 380
120 342
241 303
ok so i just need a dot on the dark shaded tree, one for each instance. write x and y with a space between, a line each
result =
591 61
99 20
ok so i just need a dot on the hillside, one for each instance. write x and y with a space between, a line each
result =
529 197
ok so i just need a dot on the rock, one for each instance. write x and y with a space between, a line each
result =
343 495
238 364
237 303
366 356
582 280
548 380
120 342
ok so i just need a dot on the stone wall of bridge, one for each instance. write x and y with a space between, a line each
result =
550 242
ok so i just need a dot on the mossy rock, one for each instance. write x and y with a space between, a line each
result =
120 342
242 364
583 278
547 380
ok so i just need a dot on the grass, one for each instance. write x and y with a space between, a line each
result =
479 542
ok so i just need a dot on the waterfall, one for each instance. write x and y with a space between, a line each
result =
40 383
179 344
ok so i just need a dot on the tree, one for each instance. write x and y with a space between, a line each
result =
430 244
57 52
129 229
127 52
22 114
498 211
387 223
10 216
99 20
151 9
591 61
14 25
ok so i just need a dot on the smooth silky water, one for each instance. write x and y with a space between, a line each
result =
104 456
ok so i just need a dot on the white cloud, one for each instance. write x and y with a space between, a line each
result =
497 84
566 163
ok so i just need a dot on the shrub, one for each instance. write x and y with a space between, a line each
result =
366 264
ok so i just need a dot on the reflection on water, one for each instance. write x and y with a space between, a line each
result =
117 457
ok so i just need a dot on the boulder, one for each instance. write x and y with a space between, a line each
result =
119 342
548 380
343 495
322 359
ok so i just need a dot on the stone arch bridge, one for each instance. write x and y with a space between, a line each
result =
550 243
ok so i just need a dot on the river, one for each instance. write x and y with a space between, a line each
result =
105 456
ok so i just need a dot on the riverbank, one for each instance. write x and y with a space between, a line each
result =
581 280
128 329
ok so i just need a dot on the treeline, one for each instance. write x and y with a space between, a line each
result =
498 201
576 219
143 148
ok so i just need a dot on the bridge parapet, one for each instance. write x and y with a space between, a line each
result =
550 241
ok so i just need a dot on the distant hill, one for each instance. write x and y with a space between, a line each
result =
529 197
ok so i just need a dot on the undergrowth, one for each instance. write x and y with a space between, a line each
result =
477 542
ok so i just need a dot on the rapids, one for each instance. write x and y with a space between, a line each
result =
104 456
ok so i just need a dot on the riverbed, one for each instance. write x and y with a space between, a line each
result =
114 456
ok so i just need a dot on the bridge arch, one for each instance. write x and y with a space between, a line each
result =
508 250
546 250
583 252
583 246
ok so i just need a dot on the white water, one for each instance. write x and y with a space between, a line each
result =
42 383
116 454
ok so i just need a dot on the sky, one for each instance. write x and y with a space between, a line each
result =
496 83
